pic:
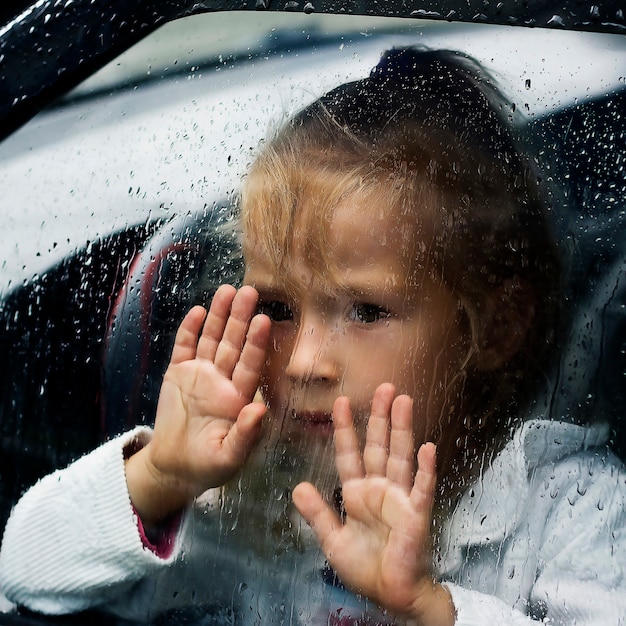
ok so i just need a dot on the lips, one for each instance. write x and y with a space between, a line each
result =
320 422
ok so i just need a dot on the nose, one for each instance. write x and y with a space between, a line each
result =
313 356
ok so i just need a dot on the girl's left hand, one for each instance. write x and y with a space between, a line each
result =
382 548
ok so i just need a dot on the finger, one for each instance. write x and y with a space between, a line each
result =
229 348
376 450
215 322
347 453
401 446
248 369
317 514
244 432
186 341
423 491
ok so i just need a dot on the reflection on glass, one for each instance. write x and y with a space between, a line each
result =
439 226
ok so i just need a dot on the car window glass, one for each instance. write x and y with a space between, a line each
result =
120 205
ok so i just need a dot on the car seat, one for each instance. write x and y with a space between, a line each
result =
583 150
181 265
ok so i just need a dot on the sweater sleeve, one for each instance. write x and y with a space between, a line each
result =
479 609
582 558
72 541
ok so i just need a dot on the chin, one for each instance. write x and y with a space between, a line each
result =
290 453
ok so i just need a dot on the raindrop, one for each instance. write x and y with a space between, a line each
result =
309 8
556 20
527 83
423 13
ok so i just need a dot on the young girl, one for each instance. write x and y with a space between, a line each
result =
400 292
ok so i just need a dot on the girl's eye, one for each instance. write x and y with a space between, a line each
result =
367 313
276 310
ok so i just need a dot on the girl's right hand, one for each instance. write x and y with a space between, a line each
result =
381 548
206 422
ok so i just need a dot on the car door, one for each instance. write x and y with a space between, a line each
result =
113 190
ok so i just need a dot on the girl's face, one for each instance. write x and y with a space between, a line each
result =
380 317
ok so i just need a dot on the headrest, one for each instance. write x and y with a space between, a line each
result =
180 266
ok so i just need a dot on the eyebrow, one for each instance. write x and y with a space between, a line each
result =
367 282
359 282
267 284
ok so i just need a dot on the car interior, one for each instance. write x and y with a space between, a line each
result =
84 344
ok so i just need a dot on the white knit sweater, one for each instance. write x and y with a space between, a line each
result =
540 538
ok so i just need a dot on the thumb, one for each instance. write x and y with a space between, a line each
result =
245 431
317 513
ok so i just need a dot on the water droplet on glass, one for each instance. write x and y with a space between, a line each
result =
556 20
423 13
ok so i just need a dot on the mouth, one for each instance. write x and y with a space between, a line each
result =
320 422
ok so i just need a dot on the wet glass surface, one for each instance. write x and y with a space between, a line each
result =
124 216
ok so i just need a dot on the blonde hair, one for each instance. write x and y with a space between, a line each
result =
423 137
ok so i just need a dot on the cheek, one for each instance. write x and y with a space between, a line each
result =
422 360
403 358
